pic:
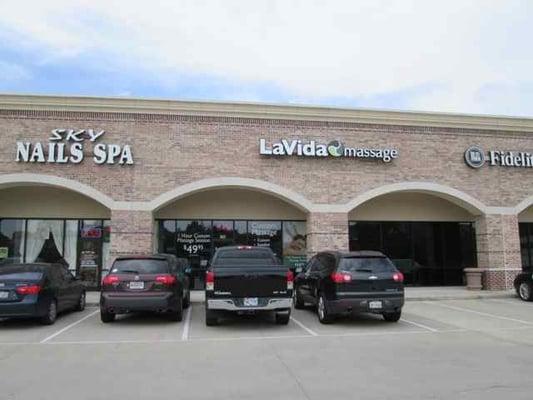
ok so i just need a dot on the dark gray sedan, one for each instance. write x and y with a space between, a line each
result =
39 291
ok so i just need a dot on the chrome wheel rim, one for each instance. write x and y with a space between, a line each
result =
321 308
52 311
525 291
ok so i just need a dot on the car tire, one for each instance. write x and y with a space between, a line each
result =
82 301
525 291
283 317
51 313
211 317
187 300
324 317
106 316
392 316
177 314
298 302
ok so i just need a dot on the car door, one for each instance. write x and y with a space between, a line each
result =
70 287
58 287
309 281
327 263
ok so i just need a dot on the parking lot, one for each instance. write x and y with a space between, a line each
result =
461 349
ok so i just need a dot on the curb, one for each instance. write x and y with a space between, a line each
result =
422 298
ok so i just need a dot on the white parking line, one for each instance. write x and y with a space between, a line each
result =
305 328
480 313
419 325
187 325
66 328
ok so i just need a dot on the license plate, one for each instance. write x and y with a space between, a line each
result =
373 305
4 295
251 301
136 285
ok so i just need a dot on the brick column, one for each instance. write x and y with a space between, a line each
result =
131 232
326 231
498 250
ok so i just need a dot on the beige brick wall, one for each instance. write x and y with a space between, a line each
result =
173 150
131 232
327 231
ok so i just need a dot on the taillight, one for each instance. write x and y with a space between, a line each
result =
167 280
28 289
244 247
398 277
340 277
110 280
210 280
290 280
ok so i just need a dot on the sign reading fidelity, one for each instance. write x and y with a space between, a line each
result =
475 157
334 148
66 146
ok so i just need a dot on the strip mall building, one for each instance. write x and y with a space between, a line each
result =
85 179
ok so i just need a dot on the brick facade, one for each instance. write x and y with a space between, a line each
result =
175 149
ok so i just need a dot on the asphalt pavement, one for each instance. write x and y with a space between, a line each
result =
448 349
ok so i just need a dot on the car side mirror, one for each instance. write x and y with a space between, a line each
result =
77 278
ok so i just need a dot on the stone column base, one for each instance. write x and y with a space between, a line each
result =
500 278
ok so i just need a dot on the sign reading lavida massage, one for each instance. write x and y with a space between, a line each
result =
333 149
66 146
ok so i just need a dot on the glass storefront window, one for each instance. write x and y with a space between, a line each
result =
526 245
223 234
71 244
197 240
294 244
44 240
12 234
167 237
90 252
428 253
266 234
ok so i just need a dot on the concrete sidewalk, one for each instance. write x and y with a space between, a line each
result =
411 294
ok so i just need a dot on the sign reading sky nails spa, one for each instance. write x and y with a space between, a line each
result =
66 146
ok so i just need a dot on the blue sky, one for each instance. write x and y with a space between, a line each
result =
453 56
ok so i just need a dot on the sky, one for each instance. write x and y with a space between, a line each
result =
460 56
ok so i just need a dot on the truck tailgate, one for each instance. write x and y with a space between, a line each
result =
251 281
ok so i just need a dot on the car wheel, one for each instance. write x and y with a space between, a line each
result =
323 315
106 316
51 313
177 314
525 291
283 317
81 302
211 317
298 302
392 316
187 300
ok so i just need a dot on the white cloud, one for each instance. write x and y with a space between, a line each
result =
310 49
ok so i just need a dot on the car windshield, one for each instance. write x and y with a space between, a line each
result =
140 266
245 257
366 264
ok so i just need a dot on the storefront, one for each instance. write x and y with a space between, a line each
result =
83 180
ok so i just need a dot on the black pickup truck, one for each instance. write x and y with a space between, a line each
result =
247 279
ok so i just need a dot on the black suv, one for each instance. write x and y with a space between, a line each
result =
350 282
156 283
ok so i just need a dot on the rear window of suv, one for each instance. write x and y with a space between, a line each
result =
245 257
366 264
140 266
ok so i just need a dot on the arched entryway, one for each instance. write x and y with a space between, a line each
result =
43 222
427 230
197 222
